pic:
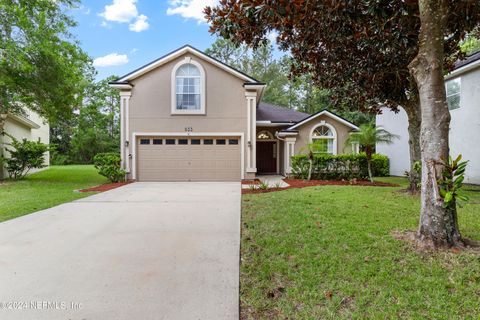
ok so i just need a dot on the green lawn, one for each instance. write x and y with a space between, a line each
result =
46 189
327 253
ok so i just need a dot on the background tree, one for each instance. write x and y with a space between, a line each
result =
41 65
470 45
368 137
359 49
259 64
94 129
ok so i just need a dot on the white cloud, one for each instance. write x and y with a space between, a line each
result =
140 24
112 59
120 11
125 11
190 9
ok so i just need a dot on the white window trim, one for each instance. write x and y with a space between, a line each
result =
451 95
202 111
334 132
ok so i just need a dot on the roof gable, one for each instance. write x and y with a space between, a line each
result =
324 113
177 53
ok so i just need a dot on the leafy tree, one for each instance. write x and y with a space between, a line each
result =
359 50
440 24
470 45
95 129
227 52
41 65
364 50
258 63
368 137
25 156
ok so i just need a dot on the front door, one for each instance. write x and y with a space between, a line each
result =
266 157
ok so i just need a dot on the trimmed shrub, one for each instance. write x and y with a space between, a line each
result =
339 167
108 165
25 156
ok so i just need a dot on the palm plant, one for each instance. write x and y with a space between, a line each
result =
312 148
368 137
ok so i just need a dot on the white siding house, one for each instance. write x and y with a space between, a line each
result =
463 96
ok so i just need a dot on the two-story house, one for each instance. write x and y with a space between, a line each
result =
189 117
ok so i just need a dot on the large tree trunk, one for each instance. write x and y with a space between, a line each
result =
438 225
412 109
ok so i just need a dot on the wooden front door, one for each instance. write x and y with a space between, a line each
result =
266 157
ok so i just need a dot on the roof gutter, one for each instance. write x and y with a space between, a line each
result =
266 123
285 134
120 85
24 120
461 70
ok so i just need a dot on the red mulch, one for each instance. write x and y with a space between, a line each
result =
105 187
297 183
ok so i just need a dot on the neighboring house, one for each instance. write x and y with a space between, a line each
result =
189 117
463 97
29 126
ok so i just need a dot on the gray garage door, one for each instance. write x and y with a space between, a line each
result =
188 159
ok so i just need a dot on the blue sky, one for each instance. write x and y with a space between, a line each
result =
122 35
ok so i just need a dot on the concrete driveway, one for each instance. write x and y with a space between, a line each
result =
143 251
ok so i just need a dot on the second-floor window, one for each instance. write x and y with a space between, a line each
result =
188 88
453 93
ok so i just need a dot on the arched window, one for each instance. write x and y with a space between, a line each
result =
325 138
188 88
265 135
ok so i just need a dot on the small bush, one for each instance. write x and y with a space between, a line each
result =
263 185
339 167
25 156
58 159
108 165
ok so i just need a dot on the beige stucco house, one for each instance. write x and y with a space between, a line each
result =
29 126
189 117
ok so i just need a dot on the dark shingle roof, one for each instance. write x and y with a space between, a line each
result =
468 59
270 112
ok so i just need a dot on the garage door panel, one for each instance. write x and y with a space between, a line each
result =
204 162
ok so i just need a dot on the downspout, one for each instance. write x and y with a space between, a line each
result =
278 137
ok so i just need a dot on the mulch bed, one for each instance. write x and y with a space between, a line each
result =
298 183
105 187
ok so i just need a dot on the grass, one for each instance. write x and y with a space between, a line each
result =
327 253
46 189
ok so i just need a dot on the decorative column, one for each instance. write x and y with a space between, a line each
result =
251 97
125 129
289 151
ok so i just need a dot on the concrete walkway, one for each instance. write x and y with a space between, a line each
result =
273 180
143 251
